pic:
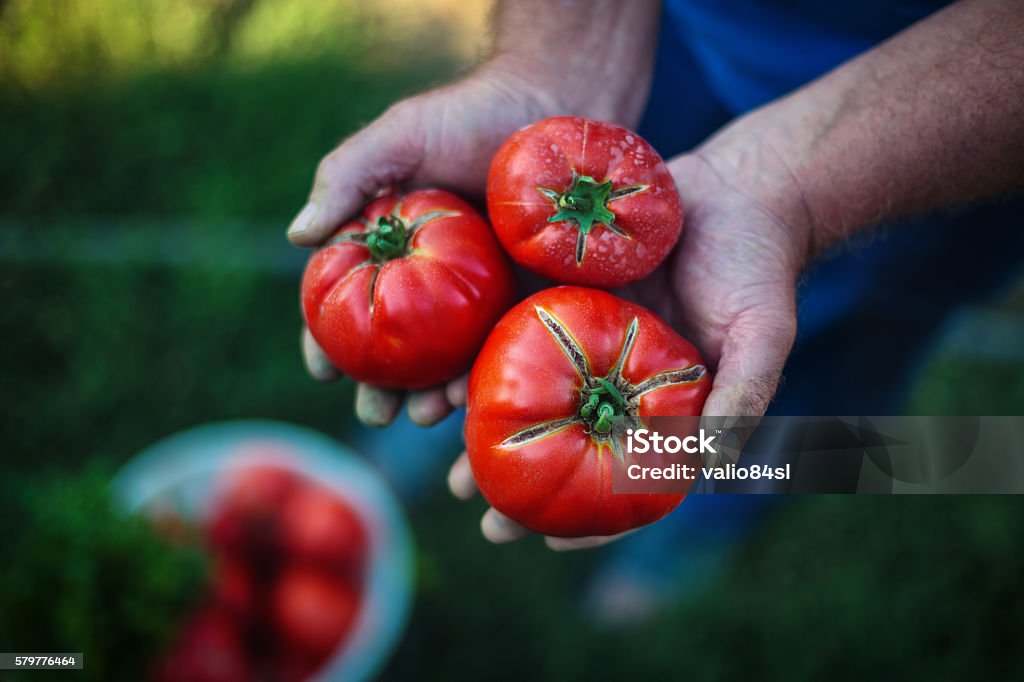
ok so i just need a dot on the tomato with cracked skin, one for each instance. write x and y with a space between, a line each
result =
583 202
404 295
556 385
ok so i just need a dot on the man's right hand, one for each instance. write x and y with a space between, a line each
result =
442 138
549 59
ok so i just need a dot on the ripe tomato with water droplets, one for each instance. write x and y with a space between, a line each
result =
404 295
583 202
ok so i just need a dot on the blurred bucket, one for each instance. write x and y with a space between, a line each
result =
185 470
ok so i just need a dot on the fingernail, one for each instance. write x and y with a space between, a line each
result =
497 528
376 406
426 408
456 391
460 480
303 221
559 544
318 364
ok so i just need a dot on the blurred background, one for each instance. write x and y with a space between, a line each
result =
153 152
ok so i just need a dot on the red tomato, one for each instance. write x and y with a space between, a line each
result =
291 666
583 202
313 611
208 649
245 517
233 587
404 296
318 527
543 393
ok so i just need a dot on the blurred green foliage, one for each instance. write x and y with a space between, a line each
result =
984 386
127 114
831 587
979 368
77 575
109 358
168 107
212 113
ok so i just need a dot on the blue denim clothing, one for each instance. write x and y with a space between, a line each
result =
753 51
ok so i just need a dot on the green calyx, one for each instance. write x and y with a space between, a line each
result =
584 203
388 239
602 404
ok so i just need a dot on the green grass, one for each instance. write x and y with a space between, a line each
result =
833 587
105 359
976 386
123 589
224 142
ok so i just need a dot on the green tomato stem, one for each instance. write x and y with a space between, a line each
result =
388 239
602 405
584 203
605 414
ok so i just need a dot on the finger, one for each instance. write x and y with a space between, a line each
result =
428 407
499 529
385 153
569 544
754 351
460 478
458 390
377 406
317 363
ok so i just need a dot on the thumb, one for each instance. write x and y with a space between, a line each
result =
754 351
386 153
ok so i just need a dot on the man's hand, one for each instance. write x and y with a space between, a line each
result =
928 119
444 138
546 58
733 277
